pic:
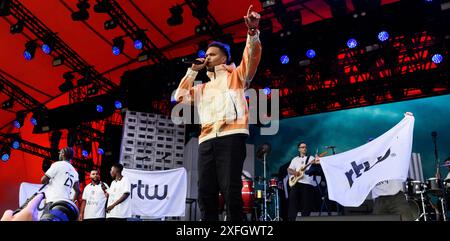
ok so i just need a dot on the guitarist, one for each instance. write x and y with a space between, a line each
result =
301 195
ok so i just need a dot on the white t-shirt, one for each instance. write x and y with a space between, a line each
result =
296 163
387 188
448 176
117 189
95 201
62 177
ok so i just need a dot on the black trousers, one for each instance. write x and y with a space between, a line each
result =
301 198
220 162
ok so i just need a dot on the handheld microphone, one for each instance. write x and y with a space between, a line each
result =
190 61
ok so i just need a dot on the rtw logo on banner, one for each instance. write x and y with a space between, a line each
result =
145 194
351 175
157 193
360 169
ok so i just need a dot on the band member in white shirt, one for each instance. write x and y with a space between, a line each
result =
60 178
119 205
301 195
93 206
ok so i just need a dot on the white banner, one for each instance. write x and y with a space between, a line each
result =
351 175
157 193
26 191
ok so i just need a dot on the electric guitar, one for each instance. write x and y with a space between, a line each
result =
294 179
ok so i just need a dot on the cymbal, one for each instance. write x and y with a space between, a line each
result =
263 149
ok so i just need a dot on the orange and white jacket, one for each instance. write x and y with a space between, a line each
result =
221 102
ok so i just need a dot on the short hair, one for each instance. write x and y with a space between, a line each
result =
118 166
68 152
95 170
301 142
448 159
225 48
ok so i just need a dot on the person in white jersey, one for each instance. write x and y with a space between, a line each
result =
119 205
61 178
93 206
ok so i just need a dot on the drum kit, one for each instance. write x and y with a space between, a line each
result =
260 195
253 197
420 197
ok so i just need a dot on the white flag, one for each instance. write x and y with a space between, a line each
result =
157 193
351 175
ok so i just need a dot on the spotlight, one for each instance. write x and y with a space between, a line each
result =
102 6
8 104
67 85
201 54
267 90
86 79
16 28
140 40
40 121
6 153
100 151
310 53
267 3
15 144
437 58
383 36
85 153
200 10
138 44
82 14
33 121
20 117
118 45
5 7
48 44
93 90
118 104
284 59
352 43
57 61
176 18
110 24
202 28
99 108
143 56
30 50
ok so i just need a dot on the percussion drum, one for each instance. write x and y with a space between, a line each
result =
414 188
434 186
247 196
273 182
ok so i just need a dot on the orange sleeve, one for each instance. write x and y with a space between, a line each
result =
185 91
250 59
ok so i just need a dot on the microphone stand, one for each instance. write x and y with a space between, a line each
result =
265 215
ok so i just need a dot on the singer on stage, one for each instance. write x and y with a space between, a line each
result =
223 113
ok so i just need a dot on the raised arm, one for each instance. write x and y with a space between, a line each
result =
252 52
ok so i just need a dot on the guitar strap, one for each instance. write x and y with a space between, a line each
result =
307 159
